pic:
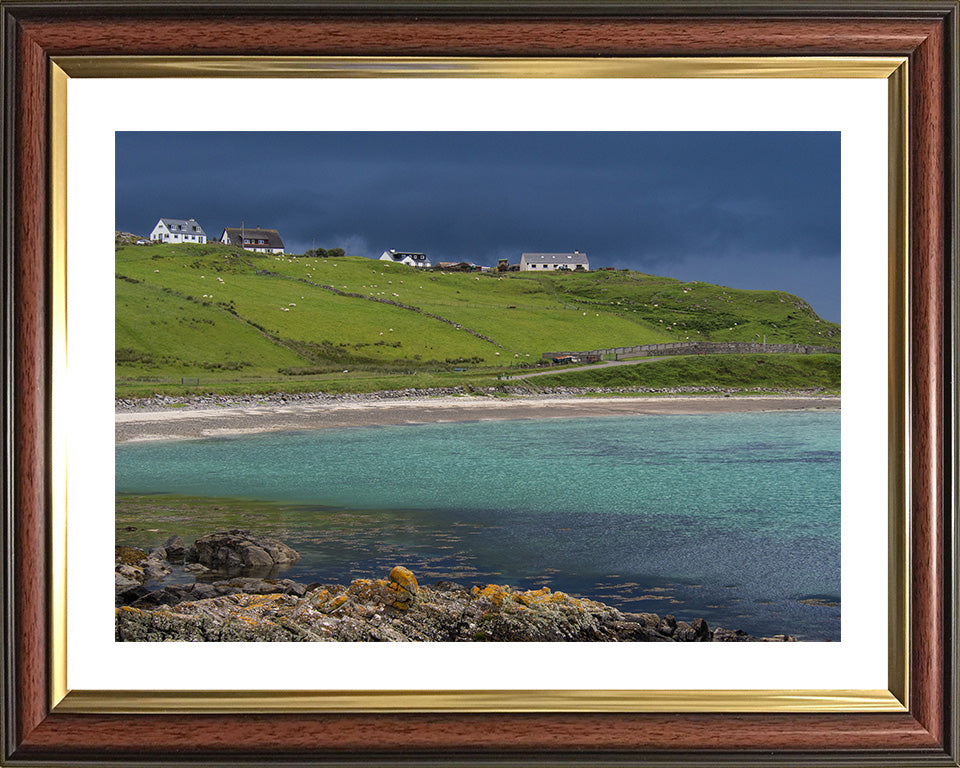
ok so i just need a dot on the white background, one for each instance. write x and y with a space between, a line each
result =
98 108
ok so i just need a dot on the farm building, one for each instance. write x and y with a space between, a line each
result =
253 239
178 231
410 258
562 261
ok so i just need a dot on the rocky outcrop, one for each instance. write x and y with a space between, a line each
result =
133 568
234 599
395 609
155 566
136 565
236 553
240 585
175 549
239 551
138 596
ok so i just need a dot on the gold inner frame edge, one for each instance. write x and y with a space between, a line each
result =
894 69
237 702
432 66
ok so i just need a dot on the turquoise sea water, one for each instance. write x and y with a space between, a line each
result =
730 517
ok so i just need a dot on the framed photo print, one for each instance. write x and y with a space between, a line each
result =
464 383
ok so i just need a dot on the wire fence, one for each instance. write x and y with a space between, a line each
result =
185 380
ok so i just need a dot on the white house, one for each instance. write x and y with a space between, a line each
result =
253 239
409 258
178 231
564 261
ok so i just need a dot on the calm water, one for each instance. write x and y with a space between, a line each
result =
732 517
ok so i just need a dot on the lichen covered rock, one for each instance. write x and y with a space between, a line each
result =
404 585
395 609
129 555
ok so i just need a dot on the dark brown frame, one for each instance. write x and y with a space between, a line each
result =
925 32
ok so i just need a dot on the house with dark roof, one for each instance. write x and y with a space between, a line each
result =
410 258
554 261
253 239
178 231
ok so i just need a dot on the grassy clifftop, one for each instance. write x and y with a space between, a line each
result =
237 320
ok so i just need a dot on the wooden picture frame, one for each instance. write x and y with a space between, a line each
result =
36 731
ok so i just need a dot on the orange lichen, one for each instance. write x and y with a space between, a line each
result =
544 596
129 555
365 590
405 579
534 596
493 593
403 585
500 596
321 596
338 601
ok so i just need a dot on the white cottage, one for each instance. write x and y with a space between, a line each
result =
563 261
410 258
253 239
178 231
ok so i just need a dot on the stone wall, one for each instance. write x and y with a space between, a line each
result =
696 348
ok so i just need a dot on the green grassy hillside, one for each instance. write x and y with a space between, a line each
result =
234 320
783 371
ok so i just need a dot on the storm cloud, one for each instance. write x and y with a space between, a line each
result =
748 210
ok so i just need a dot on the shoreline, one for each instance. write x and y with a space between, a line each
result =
236 596
193 421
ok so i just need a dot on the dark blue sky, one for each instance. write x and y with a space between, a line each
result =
748 210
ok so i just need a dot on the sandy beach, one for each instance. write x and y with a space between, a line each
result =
196 423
